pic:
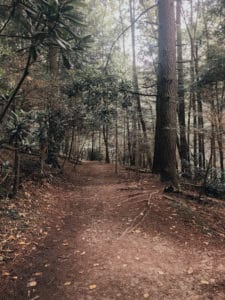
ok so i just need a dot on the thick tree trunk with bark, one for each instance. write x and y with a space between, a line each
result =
167 93
201 138
219 119
53 146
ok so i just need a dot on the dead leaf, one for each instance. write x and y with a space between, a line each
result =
161 272
32 283
22 214
38 274
212 280
27 194
190 271
204 282
5 273
46 265
22 243
92 286
95 265
146 295
67 283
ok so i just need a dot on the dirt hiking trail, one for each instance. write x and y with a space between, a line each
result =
119 239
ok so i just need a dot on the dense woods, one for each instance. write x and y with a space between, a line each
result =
120 102
134 83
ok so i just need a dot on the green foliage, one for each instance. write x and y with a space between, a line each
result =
99 93
19 129
124 88
214 70
41 24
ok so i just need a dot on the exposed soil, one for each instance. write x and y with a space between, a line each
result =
104 236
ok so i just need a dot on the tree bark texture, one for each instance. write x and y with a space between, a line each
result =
167 93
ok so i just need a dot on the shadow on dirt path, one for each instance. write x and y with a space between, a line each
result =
119 240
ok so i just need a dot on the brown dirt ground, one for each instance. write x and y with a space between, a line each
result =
97 235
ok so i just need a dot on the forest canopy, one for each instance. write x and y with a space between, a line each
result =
138 83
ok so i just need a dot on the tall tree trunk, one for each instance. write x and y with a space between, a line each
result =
219 127
193 104
53 146
201 138
130 156
167 92
184 149
213 139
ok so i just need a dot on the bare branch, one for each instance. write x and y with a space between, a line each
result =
138 93
9 17
127 28
15 36
17 88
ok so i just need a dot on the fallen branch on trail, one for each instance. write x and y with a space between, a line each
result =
147 171
140 217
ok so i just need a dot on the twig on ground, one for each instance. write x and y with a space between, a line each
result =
169 198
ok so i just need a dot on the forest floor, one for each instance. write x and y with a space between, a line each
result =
96 235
